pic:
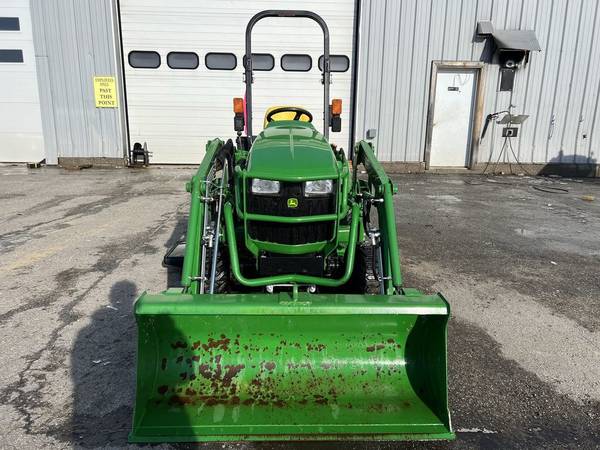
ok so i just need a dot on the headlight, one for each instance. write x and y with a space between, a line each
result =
318 187
265 186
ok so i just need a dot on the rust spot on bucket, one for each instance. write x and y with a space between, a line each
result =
315 347
305 365
162 390
231 373
222 344
269 365
211 401
375 347
179 344
320 399
205 371
180 400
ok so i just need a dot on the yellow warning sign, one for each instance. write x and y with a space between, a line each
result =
105 91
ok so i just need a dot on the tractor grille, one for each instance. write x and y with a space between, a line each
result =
290 233
276 205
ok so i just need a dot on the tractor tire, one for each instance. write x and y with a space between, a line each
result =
223 283
363 279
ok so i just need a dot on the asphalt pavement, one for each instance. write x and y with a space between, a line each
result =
518 258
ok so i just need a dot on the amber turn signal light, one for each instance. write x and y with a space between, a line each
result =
336 106
238 105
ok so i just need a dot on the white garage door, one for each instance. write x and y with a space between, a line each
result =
176 102
21 138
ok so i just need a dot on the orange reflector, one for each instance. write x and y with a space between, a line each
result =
336 106
238 105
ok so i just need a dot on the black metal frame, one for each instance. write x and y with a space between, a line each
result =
261 54
326 69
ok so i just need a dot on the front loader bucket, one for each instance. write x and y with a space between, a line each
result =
266 367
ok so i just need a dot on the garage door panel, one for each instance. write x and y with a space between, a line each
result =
177 110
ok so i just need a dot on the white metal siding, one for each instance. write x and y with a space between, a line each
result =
75 41
21 138
559 88
177 111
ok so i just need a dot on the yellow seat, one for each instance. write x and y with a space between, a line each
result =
284 115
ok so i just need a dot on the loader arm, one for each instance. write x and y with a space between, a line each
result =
380 195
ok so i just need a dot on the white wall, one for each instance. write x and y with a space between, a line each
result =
21 138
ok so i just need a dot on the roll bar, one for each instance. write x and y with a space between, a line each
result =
325 71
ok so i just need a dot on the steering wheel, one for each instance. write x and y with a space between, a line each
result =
299 113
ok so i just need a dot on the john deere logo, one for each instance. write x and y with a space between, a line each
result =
292 202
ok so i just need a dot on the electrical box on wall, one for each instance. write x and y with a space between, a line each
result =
507 79
510 132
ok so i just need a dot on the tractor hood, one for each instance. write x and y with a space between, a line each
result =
290 150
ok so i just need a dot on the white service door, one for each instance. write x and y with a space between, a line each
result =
21 137
176 111
453 117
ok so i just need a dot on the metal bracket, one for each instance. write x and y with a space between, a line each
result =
375 236
310 288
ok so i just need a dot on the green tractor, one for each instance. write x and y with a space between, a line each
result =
292 322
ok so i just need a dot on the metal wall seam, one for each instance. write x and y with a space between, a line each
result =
592 95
